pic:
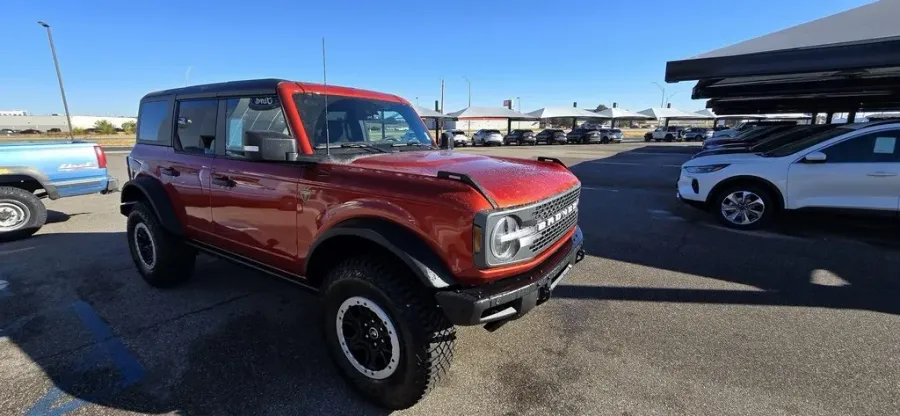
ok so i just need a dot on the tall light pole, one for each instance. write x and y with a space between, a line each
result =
469 122
670 96
62 91
662 90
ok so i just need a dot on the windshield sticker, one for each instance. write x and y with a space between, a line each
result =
885 145
264 103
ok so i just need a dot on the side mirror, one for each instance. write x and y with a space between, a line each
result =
270 145
815 157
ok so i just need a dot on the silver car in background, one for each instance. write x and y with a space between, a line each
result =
487 137
459 138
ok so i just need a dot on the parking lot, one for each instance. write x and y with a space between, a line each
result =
669 313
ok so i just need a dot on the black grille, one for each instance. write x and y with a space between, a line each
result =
552 233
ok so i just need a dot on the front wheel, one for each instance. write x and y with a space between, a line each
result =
21 213
744 207
385 332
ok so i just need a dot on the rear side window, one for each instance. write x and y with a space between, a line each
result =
153 122
245 114
870 148
195 126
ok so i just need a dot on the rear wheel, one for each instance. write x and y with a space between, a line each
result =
669 138
162 258
21 213
385 332
604 140
744 207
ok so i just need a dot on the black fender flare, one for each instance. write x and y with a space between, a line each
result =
151 190
17 173
426 265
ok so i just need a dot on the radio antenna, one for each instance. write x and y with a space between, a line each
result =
325 84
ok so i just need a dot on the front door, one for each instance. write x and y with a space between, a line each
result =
859 173
185 172
255 203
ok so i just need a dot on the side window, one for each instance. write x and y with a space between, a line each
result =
870 148
195 126
245 114
152 117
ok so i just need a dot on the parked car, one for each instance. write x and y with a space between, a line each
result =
746 137
54 130
614 135
851 168
402 241
584 136
749 125
769 142
669 134
29 131
698 134
520 137
551 136
487 137
458 136
8 131
30 172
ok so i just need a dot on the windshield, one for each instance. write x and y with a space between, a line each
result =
354 124
781 139
492 132
813 140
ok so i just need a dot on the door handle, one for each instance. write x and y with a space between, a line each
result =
882 174
169 172
224 181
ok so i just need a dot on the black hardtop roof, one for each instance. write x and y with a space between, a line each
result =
260 85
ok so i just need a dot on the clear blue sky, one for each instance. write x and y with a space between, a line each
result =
550 53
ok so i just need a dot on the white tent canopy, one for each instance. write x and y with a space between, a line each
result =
671 113
620 113
490 112
564 112
426 113
710 114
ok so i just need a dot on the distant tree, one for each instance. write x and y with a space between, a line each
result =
78 132
600 107
129 127
104 127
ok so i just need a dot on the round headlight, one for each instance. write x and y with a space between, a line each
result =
504 250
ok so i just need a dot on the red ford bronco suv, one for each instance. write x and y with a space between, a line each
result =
343 191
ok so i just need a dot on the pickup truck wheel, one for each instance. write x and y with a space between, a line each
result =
162 259
21 213
385 332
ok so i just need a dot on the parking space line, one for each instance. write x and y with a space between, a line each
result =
129 368
589 188
4 288
631 164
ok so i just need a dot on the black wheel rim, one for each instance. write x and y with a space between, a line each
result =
367 337
146 248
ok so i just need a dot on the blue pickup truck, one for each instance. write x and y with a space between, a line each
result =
30 172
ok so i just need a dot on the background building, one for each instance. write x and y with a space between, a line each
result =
44 123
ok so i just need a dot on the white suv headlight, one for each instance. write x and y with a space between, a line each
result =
706 169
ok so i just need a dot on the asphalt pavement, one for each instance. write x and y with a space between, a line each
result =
669 314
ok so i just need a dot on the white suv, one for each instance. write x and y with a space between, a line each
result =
853 168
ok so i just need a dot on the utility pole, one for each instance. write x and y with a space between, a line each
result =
662 90
62 91
442 105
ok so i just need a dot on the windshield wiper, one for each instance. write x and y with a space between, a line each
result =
366 146
418 144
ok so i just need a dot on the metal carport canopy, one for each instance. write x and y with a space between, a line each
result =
861 38
564 112
846 62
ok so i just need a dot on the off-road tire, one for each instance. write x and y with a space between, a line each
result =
426 337
172 260
30 205
771 208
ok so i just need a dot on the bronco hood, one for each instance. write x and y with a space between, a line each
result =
508 181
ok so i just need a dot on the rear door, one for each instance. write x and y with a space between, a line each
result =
254 203
860 173
185 171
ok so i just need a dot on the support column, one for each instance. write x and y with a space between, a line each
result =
851 116
508 126
574 123
828 117
667 123
815 115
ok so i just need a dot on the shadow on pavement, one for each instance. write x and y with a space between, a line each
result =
230 341
54 217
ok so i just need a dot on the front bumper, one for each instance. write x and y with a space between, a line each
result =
515 296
